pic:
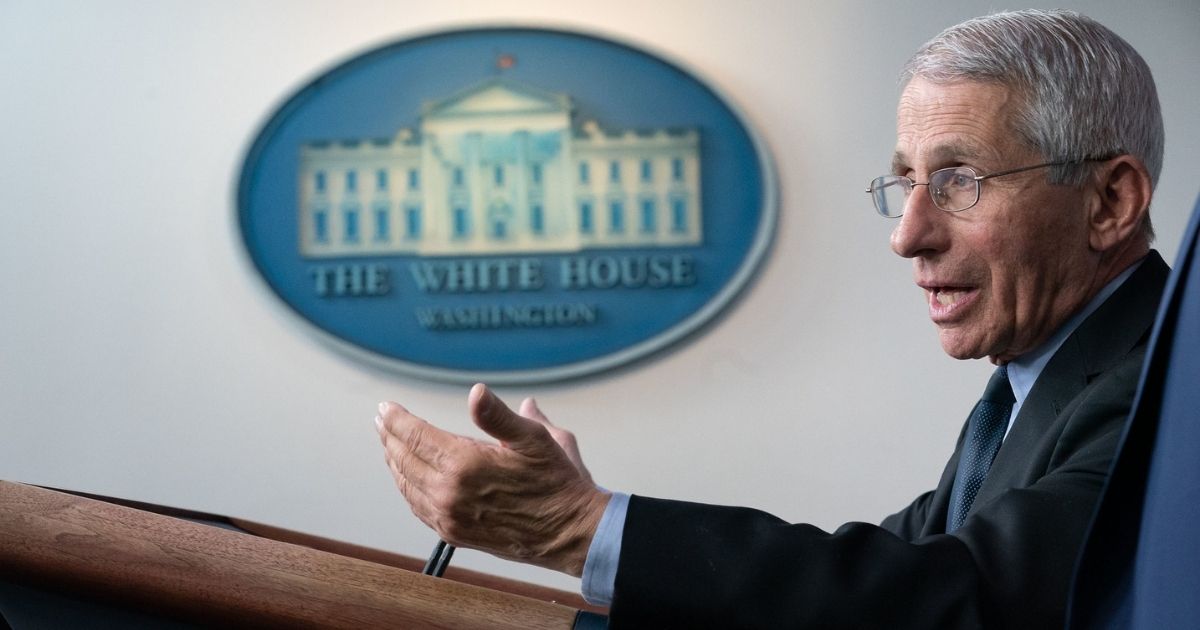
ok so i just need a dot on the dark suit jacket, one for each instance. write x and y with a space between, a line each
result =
1140 566
1009 565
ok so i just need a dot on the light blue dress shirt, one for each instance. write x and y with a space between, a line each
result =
600 568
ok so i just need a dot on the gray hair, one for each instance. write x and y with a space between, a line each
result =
1086 92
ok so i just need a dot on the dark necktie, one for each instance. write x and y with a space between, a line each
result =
985 431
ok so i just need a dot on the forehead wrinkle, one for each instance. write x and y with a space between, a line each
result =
941 155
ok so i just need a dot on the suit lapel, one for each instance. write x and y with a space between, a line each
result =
1107 335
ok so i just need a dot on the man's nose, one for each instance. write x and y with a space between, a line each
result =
921 231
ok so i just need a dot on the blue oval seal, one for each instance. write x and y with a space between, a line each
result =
512 205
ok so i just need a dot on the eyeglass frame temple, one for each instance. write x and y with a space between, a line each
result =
979 178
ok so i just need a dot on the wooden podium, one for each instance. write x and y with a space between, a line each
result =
227 572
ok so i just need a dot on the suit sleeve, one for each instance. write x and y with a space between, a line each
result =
1009 566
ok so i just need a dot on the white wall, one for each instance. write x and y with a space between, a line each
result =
139 356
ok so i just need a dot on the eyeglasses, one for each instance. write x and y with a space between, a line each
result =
951 189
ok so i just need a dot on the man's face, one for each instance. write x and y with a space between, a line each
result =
1001 276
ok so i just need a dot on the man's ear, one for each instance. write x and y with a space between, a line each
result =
1122 201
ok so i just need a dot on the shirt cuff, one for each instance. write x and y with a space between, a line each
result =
600 568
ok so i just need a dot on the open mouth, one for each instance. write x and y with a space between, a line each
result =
948 296
948 303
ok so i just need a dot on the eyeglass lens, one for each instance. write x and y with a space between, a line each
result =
951 189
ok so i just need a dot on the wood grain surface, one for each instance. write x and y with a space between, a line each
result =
191 571
409 563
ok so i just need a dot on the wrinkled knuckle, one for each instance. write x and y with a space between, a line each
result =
403 486
399 462
414 438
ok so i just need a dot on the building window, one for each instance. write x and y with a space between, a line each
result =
462 225
648 220
536 173
678 215
458 177
616 216
584 173
537 218
414 179
320 183
498 175
412 222
381 221
614 171
677 170
350 218
351 181
647 171
381 179
321 225
499 215
585 217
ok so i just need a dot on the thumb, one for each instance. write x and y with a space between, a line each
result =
497 420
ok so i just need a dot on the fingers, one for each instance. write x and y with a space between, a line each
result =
406 465
416 452
497 420
414 435
418 501
529 409
565 439
524 499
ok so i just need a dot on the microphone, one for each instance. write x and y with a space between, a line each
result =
439 559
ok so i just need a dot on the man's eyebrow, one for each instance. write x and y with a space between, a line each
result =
955 152
941 155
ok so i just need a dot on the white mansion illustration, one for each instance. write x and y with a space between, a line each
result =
500 168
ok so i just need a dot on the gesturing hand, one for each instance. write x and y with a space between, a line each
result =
526 499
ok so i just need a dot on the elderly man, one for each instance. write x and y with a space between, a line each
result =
1027 149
